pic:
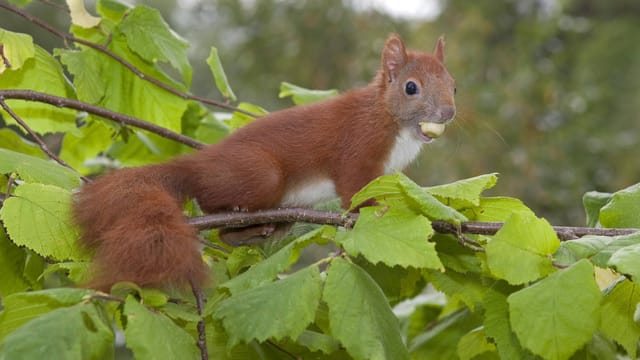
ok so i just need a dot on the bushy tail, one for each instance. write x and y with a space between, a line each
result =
132 219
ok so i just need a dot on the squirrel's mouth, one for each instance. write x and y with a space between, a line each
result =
429 131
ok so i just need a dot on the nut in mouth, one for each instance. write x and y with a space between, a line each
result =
431 130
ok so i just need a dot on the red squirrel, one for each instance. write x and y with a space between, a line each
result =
133 218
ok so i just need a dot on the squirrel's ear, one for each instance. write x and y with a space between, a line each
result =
439 50
394 57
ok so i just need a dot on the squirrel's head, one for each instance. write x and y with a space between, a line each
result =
418 89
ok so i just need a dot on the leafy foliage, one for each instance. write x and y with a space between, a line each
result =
151 335
517 294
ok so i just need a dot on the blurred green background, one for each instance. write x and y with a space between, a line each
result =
548 90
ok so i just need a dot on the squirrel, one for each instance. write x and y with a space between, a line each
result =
133 220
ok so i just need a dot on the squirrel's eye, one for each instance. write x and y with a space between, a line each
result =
411 88
455 90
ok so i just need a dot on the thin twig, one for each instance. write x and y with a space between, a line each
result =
242 219
202 336
125 63
37 138
103 296
466 242
214 246
57 101
564 232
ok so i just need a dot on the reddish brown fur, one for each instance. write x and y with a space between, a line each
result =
133 218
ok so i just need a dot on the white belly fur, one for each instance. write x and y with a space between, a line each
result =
310 193
404 151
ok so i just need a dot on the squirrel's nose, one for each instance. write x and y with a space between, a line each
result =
446 112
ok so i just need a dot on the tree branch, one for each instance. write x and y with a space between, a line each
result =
241 219
68 37
57 101
202 335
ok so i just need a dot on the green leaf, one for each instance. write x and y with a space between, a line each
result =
558 315
181 311
427 204
85 65
396 282
497 326
20 308
467 288
599 249
440 340
78 271
217 340
38 216
265 271
145 147
464 192
385 189
76 332
359 315
149 36
219 75
241 258
392 237
625 261
79 150
623 211
153 297
33 269
583 248
496 209
300 95
41 73
618 308
37 170
601 348
400 192
473 344
151 335
12 263
593 201
16 48
280 309
112 9
456 257
211 129
316 341
239 119
10 139
521 250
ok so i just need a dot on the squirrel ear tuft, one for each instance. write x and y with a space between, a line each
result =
394 57
439 50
